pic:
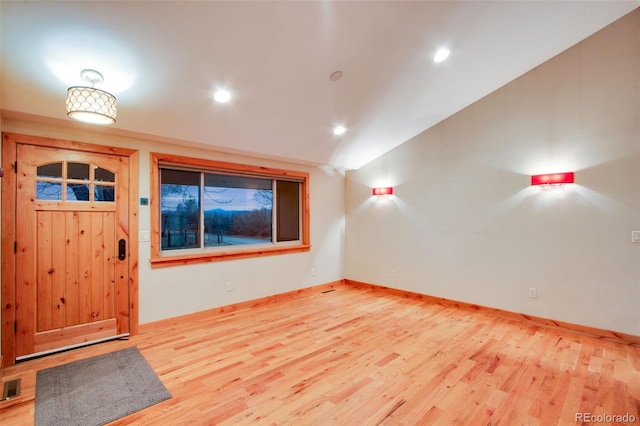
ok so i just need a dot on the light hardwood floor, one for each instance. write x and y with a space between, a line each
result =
356 356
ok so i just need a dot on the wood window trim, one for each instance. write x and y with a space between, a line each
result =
161 261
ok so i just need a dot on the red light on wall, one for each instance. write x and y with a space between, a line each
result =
552 179
383 191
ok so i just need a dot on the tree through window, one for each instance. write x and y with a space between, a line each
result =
224 208
70 181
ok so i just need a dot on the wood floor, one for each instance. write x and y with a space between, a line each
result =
362 357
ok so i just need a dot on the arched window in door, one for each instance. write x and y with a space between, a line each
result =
68 181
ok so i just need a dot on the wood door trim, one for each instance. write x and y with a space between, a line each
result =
68 144
8 256
10 141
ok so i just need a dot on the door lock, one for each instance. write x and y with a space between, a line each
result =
122 249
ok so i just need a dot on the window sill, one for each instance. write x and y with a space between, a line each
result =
159 262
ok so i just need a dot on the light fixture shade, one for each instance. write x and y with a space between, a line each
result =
91 105
383 191
552 179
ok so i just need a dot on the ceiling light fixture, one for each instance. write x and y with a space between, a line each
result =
441 55
222 96
89 104
335 76
339 130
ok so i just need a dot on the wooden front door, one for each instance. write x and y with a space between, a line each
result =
72 241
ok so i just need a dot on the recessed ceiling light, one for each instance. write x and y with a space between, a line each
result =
441 55
339 130
222 96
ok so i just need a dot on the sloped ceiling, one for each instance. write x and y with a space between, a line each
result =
163 60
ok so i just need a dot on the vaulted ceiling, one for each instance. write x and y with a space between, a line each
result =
164 59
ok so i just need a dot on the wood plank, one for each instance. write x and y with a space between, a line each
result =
74 335
17 138
79 206
8 269
109 252
26 250
56 270
354 356
226 255
85 276
132 295
72 266
97 267
123 268
44 266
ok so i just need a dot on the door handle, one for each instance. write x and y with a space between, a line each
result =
122 249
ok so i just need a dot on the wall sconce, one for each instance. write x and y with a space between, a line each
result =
552 179
383 191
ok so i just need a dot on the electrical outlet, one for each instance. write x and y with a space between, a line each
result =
228 287
533 292
313 272
392 273
635 236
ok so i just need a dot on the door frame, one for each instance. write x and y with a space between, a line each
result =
10 141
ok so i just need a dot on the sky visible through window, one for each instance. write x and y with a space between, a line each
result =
234 199
233 205
228 199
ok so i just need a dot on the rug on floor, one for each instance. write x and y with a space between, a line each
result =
97 390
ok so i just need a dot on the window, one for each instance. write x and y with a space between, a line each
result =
207 210
69 181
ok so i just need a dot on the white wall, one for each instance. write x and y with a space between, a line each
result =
464 223
177 290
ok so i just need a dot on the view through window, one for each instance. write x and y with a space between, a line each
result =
233 210
204 212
